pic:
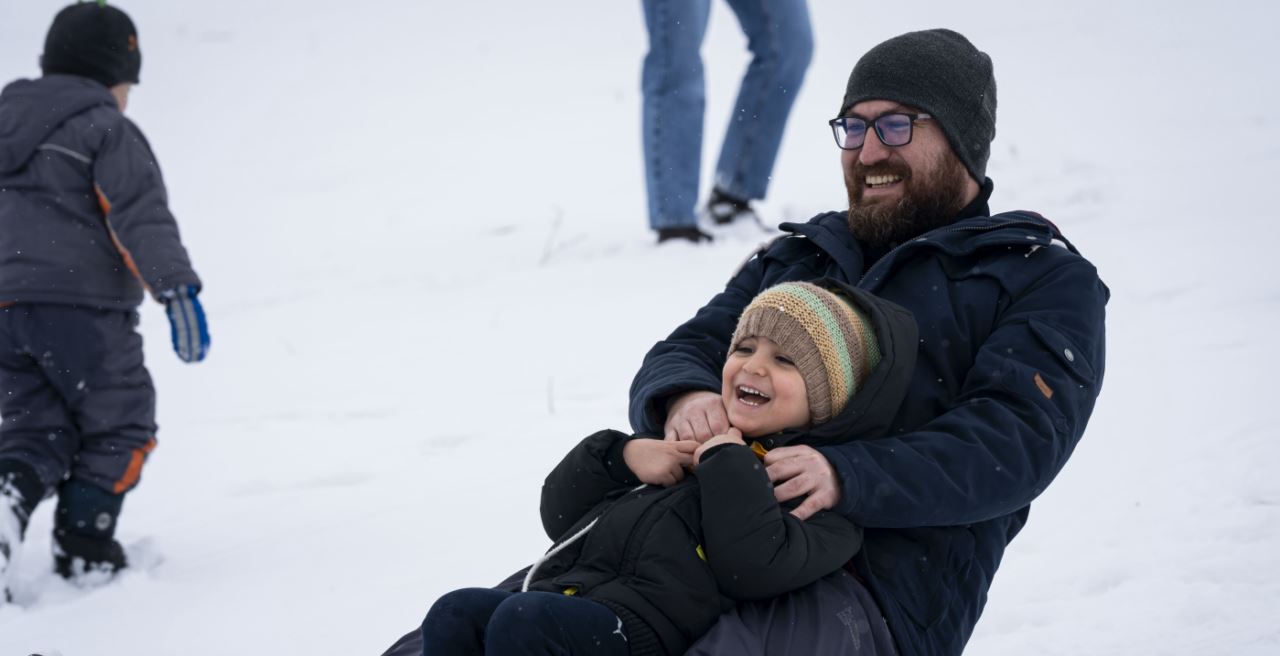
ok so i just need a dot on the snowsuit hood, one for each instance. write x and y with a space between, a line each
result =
32 110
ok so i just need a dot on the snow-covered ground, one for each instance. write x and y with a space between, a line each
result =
421 229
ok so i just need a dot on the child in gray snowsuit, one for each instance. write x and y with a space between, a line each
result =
84 229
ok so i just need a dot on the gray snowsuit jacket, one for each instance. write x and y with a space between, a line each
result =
84 217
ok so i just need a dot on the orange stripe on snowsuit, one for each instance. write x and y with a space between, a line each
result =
124 252
134 471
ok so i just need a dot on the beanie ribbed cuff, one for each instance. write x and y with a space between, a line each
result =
831 342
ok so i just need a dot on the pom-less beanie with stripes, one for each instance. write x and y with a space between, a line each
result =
829 339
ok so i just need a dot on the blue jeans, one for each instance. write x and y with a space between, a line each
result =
486 621
781 43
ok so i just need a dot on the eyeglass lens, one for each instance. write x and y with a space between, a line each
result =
893 129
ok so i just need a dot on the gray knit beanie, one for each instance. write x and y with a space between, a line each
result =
940 72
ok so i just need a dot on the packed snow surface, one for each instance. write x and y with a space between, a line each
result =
421 227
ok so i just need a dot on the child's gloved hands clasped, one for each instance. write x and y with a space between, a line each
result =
187 324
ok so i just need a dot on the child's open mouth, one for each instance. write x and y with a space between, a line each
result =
752 396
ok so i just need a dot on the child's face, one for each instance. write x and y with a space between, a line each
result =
762 390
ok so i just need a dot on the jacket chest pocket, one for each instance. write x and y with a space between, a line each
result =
1067 383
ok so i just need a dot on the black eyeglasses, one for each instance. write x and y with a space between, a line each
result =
893 129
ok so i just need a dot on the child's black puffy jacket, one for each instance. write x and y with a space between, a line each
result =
669 560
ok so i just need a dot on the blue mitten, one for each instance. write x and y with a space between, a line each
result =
186 319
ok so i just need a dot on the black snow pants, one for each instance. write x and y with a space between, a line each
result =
834 616
74 395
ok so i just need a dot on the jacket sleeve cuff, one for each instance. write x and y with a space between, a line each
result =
710 453
847 505
616 464
659 403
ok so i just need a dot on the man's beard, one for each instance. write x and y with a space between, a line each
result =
930 199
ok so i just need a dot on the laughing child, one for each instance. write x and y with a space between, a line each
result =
647 557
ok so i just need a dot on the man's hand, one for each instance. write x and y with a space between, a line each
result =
696 416
658 462
801 471
731 436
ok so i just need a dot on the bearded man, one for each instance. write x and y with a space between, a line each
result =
1010 363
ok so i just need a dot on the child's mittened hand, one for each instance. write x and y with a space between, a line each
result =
731 436
187 324
658 462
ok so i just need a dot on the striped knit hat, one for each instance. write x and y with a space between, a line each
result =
830 340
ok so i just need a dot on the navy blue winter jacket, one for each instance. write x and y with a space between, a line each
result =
84 217
1010 363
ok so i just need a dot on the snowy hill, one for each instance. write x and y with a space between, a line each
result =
421 228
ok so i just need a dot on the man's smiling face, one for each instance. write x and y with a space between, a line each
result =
899 192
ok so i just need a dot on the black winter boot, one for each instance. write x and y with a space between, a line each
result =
725 209
687 233
20 491
84 526
75 555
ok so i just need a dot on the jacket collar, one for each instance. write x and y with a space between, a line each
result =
830 232
972 230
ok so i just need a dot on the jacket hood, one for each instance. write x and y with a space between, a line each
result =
30 110
873 407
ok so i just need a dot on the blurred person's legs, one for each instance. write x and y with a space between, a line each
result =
79 411
36 432
674 100
20 491
780 38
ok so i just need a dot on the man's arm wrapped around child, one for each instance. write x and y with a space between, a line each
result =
755 547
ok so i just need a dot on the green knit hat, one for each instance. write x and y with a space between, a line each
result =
830 340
